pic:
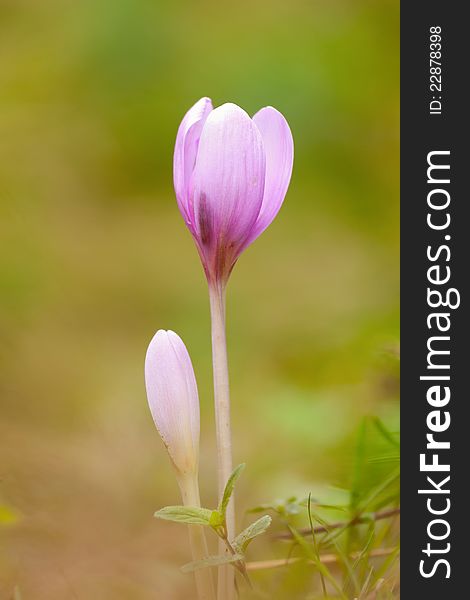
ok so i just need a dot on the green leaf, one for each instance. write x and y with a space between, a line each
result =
229 487
257 528
384 458
309 553
315 545
191 515
387 434
334 507
211 561
360 459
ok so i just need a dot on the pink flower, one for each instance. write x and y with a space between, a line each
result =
231 174
173 399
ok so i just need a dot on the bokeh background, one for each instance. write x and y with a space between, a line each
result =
94 258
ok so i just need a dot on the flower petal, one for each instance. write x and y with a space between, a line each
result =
186 146
279 149
228 179
173 398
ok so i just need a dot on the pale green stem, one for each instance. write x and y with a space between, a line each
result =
197 540
226 588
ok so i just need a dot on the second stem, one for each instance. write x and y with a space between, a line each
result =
222 423
190 494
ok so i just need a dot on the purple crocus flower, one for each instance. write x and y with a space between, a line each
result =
231 173
173 399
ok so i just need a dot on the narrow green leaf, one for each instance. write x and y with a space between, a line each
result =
315 545
211 561
360 458
371 501
384 458
229 487
337 507
191 515
330 538
363 555
309 553
257 528
388 435
380 572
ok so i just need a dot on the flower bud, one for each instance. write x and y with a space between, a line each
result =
173 399
231 174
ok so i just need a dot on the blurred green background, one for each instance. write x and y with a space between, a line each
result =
94 258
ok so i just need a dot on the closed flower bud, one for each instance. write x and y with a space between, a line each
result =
173 399
231 174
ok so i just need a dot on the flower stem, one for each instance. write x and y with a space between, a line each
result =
240 564
197 540
222 422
